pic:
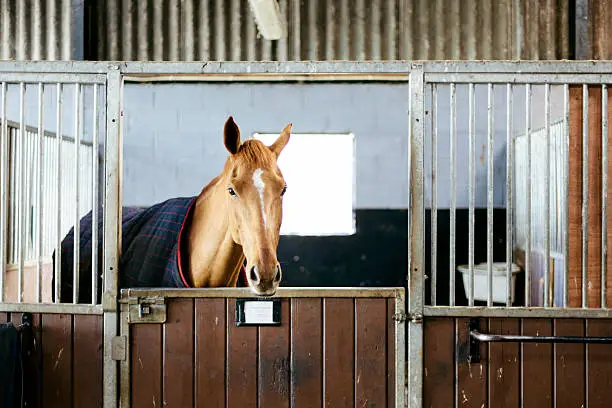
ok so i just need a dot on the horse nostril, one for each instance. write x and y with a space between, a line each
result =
277 277
254 276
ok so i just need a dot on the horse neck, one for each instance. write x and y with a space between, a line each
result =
214 258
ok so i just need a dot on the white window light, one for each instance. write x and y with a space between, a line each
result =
320 173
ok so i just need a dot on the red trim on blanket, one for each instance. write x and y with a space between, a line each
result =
180 262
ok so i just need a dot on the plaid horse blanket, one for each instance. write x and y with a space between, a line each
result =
153 240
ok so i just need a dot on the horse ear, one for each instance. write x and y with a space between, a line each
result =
280 143
231 135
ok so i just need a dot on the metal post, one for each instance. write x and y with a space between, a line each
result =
4 166
434 195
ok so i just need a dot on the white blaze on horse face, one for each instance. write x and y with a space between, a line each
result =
259 185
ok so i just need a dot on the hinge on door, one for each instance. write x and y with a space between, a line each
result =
118 348
147 310
400 317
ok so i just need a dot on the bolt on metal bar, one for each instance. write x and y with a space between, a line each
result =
21 213
94 208
453 203
566 194
490 146
471 189
58 178
585 192
528 195
4 166
434 194
547 196
77 143
40 183
604 195
509 197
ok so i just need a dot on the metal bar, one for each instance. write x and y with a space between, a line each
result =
112 230
4 166
463 77
94 207
453 194
125 364
268 77
471 190
509 191
434 196
518 312
21 192
49 78
566 194
547 197
40 183
417 238
604 195
528 195
58 178
76 240
34 129
585 193
507 338
50 308
490 145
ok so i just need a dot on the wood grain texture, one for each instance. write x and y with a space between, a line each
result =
537 365
504 379
390 352
569 365
306 352
210 330
439 362
178 354
241 362
472 378
87 364
339 364
274 371
57 360
370 353
599 356
146 365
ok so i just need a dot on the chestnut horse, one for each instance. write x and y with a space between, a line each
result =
201 241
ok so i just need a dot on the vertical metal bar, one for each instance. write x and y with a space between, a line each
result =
453 132
509 197
40 183
585 192
77 144
4 163
58 197
547 197
528 193
417 239
566 194
604 195
21 191
471 189
112 230
490 146
434 195
94 206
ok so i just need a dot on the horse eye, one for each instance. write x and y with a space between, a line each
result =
231 191
284 191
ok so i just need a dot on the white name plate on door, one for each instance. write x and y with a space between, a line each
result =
255 312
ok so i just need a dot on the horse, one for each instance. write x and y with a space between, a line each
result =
225 236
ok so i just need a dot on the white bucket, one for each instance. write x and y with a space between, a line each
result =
481 279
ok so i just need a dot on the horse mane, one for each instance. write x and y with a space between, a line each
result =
253 151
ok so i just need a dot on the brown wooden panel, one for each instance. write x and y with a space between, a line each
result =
57 360
32 365
4 317
439 362
504 384
370 352
178 354
87 361
241 362
306 352
471 375
274 361
537 360
146 365
599 367
569 365
210 319
390 353
339 317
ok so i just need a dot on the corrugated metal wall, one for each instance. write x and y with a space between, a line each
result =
36 29
330 30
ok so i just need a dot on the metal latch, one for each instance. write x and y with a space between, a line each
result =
147 310
399 317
